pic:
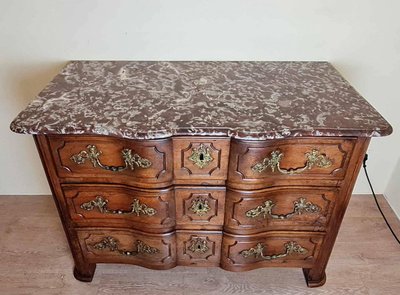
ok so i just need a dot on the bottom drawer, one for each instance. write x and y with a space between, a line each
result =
279 249
199 248
156 251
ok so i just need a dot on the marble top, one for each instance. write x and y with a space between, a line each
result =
248 100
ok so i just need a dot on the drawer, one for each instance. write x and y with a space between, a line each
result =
303 161
128 246
199 248
292 208
204 159
112 205
200 207
145 163
278 249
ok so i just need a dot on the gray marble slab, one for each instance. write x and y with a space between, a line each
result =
247 100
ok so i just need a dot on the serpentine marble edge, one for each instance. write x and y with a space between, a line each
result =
158 99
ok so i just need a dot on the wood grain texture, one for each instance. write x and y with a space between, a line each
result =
188 218
186 169
161 218
240 203
163 247
36 260
245 155
158 152
339 162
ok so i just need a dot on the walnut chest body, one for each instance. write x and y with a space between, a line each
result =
201 201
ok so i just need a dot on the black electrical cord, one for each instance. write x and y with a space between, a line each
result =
376 201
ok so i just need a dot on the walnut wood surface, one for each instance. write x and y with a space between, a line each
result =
165 244
159 152
121 198
185 169
186 218
240 202
274 242
210 257
330 188
245 154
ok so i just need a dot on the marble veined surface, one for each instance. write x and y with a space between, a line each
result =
158 99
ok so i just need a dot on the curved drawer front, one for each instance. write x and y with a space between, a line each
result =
199 248
204 159
200 207
129 246
293 208
94 205
297 249
272 162
107 159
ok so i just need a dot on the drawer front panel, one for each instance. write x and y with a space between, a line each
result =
106 159
199 248
200 208
265 163
293 208
129 246
282 249
203 158
93 205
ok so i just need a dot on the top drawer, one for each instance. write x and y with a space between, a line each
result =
289 161
106 159
200 160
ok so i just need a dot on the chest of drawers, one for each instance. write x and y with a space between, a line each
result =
240 165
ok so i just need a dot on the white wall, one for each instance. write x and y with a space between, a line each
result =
360 37
392 191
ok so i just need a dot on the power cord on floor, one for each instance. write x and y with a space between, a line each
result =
376 201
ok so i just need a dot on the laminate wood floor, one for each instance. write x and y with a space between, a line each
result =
35 259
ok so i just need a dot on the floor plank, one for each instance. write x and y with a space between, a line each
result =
35 259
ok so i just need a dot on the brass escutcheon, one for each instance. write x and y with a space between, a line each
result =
200 206
201 156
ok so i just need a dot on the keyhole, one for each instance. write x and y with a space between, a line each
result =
201 157
198 247
200 206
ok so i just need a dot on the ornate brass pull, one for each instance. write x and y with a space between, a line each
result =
199 245
101 205
300 206
290 248
200 206
92 153
201 156
314 158
112 244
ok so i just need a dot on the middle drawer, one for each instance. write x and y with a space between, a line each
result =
200 207
290 208
105 205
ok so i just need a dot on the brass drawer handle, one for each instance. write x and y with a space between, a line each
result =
92 153
300 206
101 204
314 158
112 244
291 247
200 206
201 156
